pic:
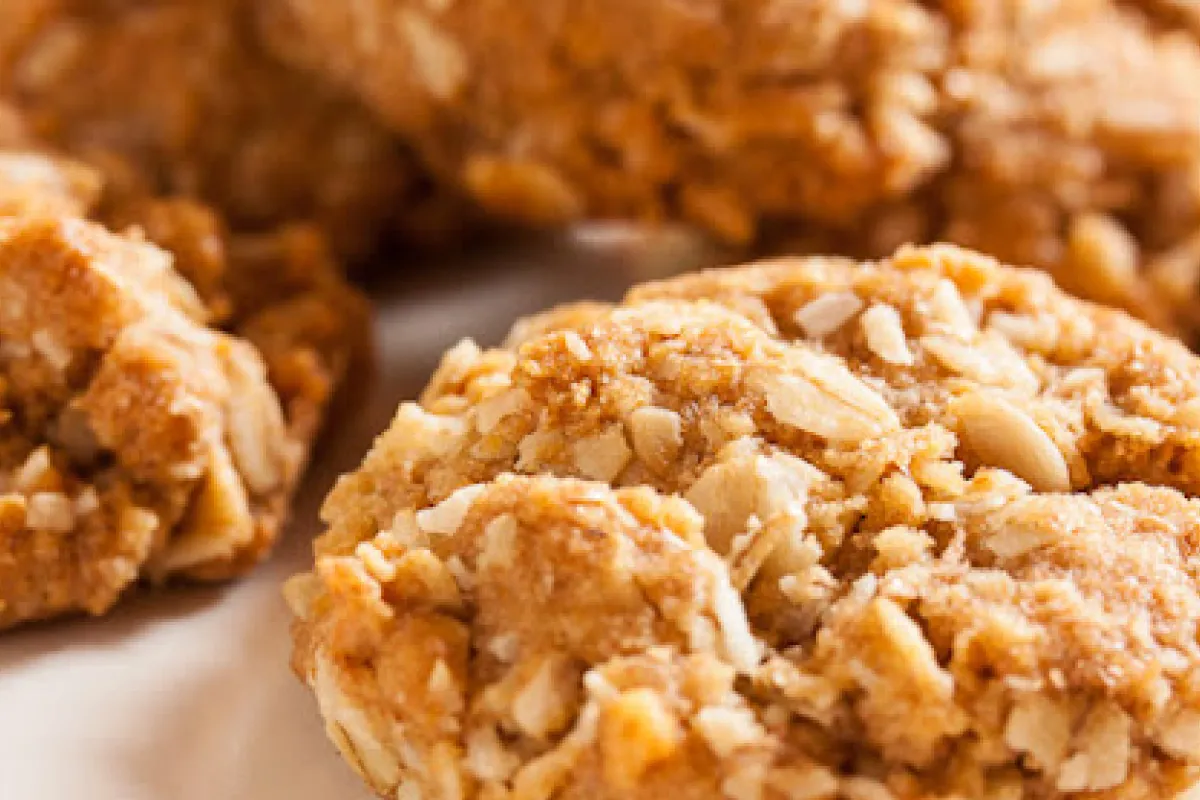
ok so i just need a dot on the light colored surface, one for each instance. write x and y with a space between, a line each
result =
187 693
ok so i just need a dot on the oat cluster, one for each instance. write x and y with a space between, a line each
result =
156 403
1061 134
803 530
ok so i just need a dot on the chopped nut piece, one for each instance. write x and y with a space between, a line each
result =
1100 248
1000 435
448 515
376 562
486 758
492 412
885 335
499 547
1102 758
257 429
48 511
542 706
822 397
827 313
350 729
603 456
946 306
1041 727
657 435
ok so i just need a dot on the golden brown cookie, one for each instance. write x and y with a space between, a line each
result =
137 442
279 287
915 529
140 441
176 97
1063 135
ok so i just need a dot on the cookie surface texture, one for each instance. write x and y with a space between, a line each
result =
919 528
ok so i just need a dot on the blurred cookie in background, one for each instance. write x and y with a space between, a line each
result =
178 98
1063 135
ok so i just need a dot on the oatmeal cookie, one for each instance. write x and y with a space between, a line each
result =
137 442
920 529
141 441
176 97
1063 134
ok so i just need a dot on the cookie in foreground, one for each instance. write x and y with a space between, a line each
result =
920 528
153 426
